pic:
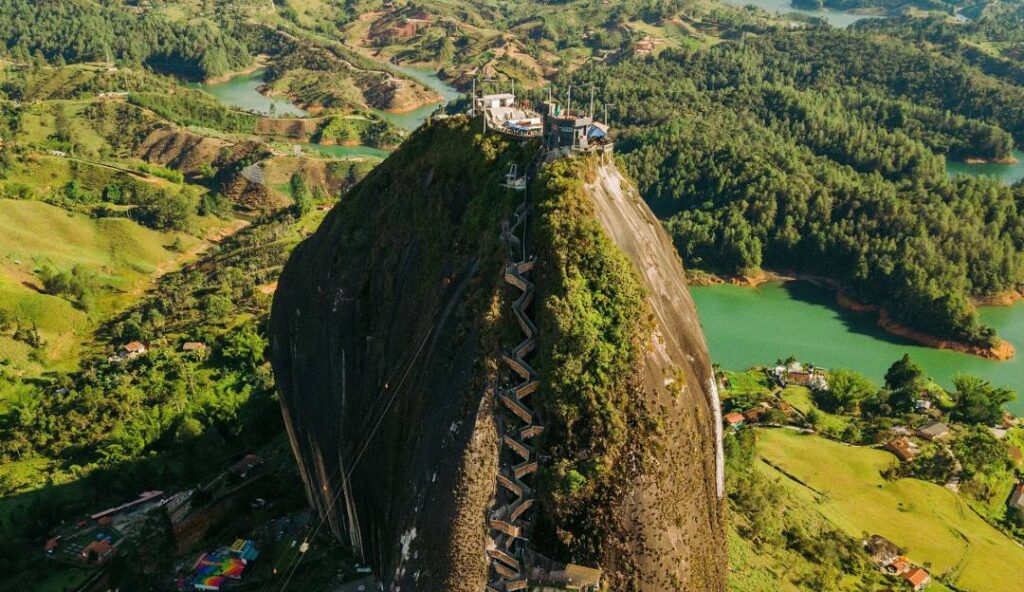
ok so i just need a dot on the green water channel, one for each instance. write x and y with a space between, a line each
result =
411 120
749 326
1007 173
242 92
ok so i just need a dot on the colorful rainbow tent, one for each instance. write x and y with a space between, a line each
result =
209 583
212 570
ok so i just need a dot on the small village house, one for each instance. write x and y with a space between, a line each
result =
193 346
97 551
899 566
903 448
917 577
734 420
644 47
133 349
933 430
754 414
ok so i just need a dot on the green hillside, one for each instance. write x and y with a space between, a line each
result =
123 255
936 526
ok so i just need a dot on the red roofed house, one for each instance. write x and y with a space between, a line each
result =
133 349
917 577
734 420
899 566
97 551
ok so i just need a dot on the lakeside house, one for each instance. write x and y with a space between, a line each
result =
904 448
933 430
796 373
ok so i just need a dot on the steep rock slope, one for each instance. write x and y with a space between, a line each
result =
631 483
386 336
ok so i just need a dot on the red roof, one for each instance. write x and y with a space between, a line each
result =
52 544
101 548
734 418
901 565
916 576
134 346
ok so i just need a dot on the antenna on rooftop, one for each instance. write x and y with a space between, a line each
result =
568 101
591 100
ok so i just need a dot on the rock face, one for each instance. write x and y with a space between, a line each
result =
386 334
383 337
675 513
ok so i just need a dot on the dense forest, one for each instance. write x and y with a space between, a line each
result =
820 152
80 31
993 43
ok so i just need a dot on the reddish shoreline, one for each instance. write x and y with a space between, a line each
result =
1002 350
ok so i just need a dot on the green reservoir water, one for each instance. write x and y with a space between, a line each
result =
242 91
411 120
745 327
1008 173
836 18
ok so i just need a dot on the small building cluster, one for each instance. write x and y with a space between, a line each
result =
796 373
94 539
563 129
889 558
765 412
904 445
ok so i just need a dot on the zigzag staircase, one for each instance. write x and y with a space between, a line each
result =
515 496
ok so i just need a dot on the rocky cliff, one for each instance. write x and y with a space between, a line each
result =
387 334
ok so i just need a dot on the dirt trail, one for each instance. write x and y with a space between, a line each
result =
675 515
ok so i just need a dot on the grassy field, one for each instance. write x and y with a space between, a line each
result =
750 382
123 255
936 526
800 398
